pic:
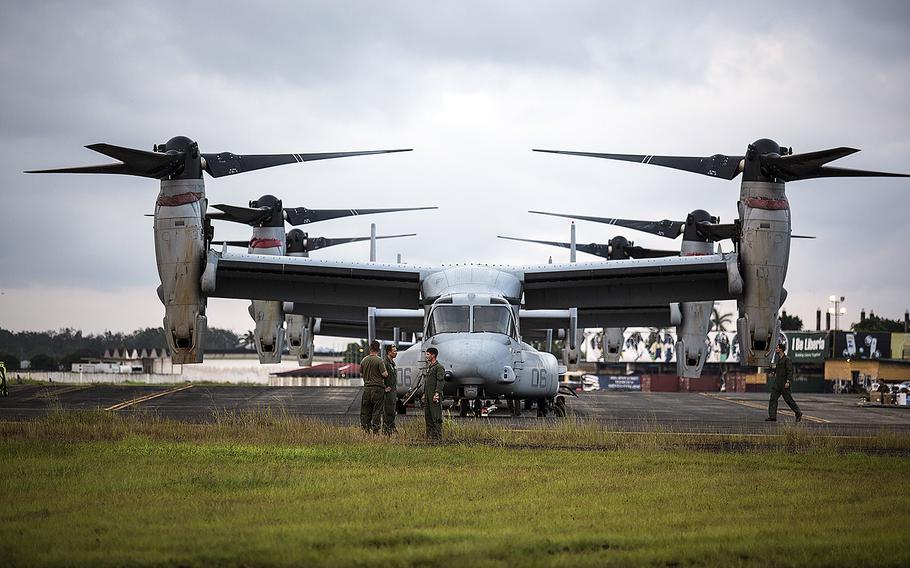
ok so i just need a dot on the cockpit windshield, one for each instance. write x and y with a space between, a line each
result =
493 319
449 319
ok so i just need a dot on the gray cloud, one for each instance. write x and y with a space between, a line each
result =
472 86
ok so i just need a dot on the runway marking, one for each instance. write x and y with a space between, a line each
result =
715 434
47 393
751 404
137 400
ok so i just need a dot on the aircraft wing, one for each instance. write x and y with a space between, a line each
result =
594 286
313 282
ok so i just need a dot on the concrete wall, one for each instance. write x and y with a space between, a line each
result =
238 370
88 378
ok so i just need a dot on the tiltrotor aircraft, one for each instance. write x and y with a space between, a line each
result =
473 314
182 231
761 233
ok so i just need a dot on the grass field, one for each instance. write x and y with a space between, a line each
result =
251 490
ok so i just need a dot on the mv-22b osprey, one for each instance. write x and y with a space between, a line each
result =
473 314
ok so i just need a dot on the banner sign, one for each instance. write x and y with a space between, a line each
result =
620 382
862 345
900 346
807 347
647 345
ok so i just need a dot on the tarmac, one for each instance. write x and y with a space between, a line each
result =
622 411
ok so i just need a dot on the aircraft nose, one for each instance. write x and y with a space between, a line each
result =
478 359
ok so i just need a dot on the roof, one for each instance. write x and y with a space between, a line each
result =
323 370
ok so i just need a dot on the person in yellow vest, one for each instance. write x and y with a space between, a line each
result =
373 371
432 393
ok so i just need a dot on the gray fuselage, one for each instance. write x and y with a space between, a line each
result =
473 323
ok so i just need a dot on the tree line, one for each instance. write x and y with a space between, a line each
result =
56 350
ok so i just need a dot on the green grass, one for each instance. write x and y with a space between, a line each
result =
271 490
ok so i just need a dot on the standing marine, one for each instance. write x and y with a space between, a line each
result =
391 390
432 394
783 374
373 371
3 390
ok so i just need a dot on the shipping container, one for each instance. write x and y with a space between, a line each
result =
660 383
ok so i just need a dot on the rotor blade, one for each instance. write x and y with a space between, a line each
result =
801 237
809 166
303 216
135 163
818 158
226 163
550 243
603 250
240 214
232 243
718 165
664 228
323 242
717 232
590 248
641 252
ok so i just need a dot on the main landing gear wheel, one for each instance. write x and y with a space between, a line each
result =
541 408
515 407
560 407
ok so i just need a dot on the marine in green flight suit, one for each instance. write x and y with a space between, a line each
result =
432 393
783 374
374 373
391 390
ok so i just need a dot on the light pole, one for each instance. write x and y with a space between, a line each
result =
837 311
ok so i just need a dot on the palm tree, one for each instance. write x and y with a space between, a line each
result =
719 322
248 340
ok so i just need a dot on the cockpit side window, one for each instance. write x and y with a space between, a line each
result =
493 319
449 319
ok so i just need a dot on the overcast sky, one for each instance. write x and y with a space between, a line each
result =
472 87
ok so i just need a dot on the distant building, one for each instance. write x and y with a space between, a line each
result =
147 361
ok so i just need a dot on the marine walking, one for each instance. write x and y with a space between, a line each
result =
783 374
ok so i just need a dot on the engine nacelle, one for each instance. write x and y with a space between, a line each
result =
180 255
269 330
574 338
613 342
299 333
764 251
692 332
268 314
